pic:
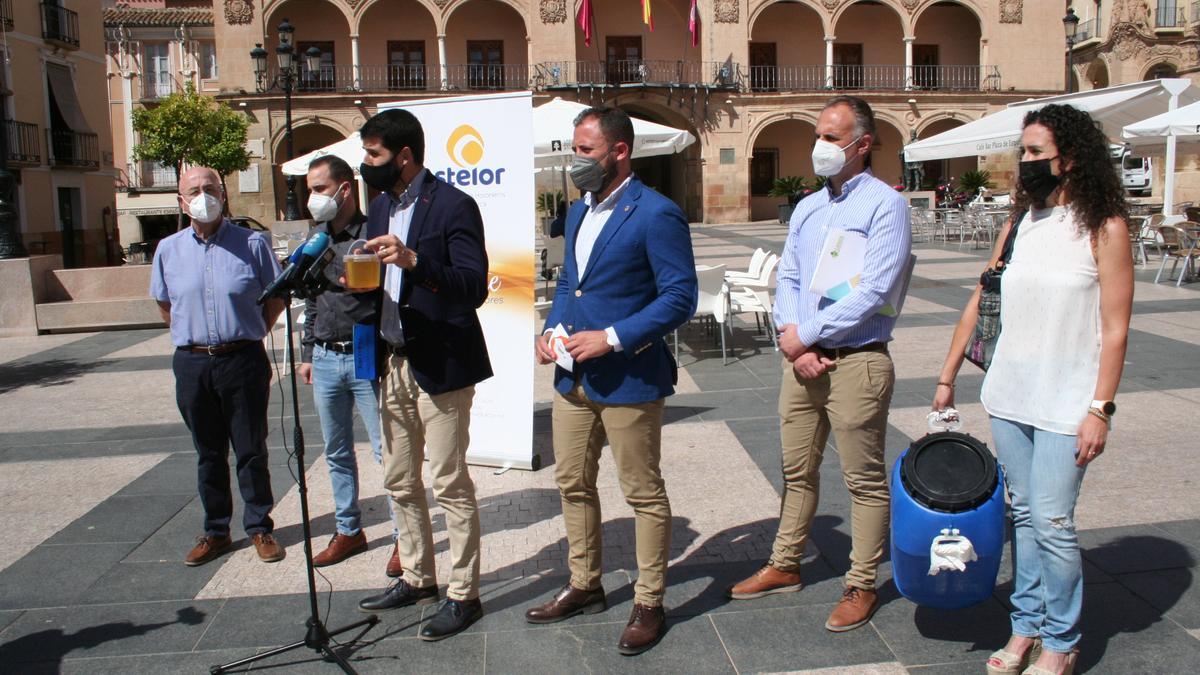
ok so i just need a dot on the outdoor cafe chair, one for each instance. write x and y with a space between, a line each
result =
1177 245
752 270
713 302
757 300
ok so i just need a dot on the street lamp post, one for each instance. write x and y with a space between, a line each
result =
286 79
1070 25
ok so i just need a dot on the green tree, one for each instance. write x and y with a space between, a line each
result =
189 128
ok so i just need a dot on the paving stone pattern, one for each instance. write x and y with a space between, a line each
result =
97 474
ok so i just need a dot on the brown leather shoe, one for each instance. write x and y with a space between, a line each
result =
206 549
855 609
395 570
341 547
766 581
644 629
268 549
567 603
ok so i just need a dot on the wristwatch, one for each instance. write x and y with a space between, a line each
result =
1106 407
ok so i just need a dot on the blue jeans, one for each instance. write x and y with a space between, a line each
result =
335 393
1043 486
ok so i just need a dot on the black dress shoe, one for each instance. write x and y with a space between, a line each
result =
399 594
452 618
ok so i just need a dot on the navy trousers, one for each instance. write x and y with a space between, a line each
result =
223 400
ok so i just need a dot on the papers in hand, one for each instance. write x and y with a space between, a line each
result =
558 345
840 267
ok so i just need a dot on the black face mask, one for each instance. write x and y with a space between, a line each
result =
1037 180
383 177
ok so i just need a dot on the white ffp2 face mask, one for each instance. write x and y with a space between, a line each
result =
828 159
204 208
323 207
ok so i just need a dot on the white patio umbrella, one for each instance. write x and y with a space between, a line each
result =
349 149
1160 134
553 125
1112 107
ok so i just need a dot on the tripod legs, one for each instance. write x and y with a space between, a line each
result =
317 639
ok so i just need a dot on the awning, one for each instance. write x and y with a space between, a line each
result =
1151 134
1112 107
63 88
349 149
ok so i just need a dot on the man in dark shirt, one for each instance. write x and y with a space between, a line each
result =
328 357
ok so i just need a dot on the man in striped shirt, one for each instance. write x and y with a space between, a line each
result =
838 375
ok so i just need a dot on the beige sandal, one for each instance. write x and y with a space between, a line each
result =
1067 670
1012 664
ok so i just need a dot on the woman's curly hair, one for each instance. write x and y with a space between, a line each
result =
1090 184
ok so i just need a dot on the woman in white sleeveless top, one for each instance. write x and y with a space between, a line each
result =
1066 297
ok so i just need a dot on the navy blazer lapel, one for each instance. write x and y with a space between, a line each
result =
421 209
621 212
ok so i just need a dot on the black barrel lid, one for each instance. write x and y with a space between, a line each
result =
949 471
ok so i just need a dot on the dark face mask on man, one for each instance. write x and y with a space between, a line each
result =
1037 180
590 175
383 177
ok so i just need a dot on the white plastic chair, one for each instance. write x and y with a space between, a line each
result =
758 301
752 270
713 301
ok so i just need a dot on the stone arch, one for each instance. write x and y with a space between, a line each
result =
781 146
890 139
1159 68
308 134
677 176
279 134
516 6
936 118
970 5
758 8
272 13
768 119
902 15
939 170
361 11
1096 73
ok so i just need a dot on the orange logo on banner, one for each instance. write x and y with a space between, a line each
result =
465 146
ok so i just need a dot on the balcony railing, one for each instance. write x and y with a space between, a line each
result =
73 149
816 77
24 145
1087 30
150 176
155 87
636 72
60 25
416 77
6 17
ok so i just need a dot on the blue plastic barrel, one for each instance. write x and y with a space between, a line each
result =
948 505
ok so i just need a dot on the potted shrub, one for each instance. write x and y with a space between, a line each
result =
971 182
791 188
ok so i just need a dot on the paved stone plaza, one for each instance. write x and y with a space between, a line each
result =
97 477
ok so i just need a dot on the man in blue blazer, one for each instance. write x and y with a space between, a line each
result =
629 279
429 235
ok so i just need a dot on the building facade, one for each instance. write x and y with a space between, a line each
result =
59 140
750 89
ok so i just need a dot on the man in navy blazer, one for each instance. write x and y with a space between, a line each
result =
628 279
429 235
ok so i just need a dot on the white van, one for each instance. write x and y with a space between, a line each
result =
1137 173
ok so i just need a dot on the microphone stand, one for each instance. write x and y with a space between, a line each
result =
317 636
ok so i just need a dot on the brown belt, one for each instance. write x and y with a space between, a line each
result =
218 350
836 353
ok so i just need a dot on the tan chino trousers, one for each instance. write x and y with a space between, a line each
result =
851 400
635 433
417 425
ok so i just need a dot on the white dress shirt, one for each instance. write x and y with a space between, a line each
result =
399 220
589 231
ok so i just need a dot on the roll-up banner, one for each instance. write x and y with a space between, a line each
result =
483 145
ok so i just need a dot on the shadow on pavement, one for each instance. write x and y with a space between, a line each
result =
48 647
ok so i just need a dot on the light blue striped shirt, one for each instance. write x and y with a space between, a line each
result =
869 207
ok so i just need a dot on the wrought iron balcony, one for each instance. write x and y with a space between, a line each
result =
374 78
1087 30
636 73
73 149
150 176
60 25
24 145
817 77
157 86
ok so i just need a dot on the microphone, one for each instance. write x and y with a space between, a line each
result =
319 247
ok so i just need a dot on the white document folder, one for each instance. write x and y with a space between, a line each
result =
840 267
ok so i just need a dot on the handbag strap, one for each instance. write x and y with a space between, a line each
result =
1009 242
